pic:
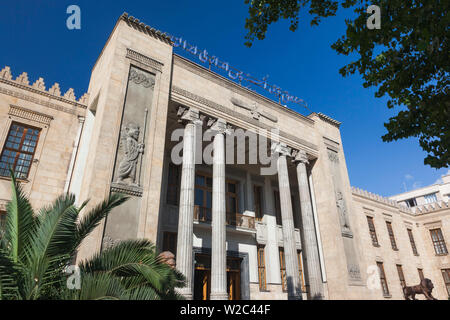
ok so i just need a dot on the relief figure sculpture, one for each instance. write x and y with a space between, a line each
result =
340 203
132 150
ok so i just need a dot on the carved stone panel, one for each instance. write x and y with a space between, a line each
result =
122 222
342 210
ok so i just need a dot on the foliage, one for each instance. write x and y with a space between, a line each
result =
36 249
407 59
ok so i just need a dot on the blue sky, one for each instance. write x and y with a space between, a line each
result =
35 39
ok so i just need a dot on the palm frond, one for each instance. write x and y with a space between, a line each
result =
20 221
9 277
91 220
57 228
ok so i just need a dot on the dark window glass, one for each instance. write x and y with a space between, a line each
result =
413 243
391 235
384 285
438 241
18 151
373 233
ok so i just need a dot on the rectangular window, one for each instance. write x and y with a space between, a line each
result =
391 235
373 233
257 199
173 185
276 195
401 276
413 243
19 149
203 200
383 280
420 271
262 269
170 242
430 198
446 275
300 269
411 202
283 270
438 241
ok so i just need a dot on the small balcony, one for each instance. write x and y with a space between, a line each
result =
202 214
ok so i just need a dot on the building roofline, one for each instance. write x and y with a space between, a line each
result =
248 92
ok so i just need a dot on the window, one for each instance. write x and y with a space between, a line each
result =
401 276
261 269
203 199
300 269
411 202
383 281
283 270
438 241
170 242
413 243
421 276
446 275
373 233
19 149
173 185
257 199
391 235
276 196
430 198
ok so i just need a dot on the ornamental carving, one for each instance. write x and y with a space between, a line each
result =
132 150
333 156
140 78
343 215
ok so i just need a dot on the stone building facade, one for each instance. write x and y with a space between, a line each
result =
158 128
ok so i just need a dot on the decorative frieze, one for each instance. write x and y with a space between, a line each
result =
141 78
29 114
255 111
149 62
238 115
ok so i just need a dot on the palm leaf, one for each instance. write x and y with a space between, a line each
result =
91 220
20 221
9 278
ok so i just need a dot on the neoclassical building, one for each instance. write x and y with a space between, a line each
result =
252 197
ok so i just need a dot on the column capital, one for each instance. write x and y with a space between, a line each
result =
300 156
189 115
281 148
219 126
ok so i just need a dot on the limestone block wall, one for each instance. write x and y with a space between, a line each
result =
130 43
383 210
58 116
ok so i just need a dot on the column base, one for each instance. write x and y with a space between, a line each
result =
218 296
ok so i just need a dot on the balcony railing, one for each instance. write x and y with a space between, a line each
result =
203 214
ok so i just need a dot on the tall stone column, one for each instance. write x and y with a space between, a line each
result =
308 229
290 250
218 243
186 208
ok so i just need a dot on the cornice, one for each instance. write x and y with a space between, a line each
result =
45 103
326 118
149 62
236 115
142 27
